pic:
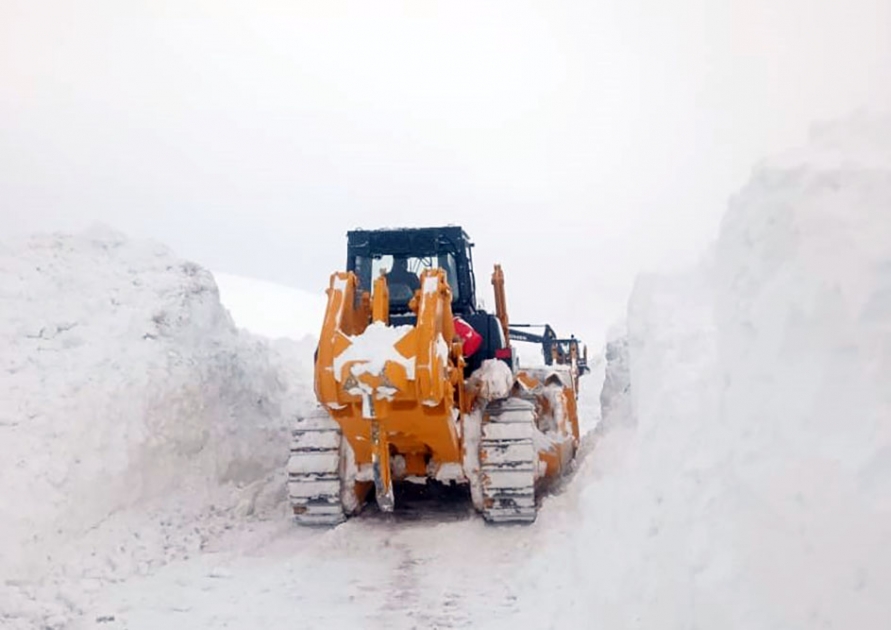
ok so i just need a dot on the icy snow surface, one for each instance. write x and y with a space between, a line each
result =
743 479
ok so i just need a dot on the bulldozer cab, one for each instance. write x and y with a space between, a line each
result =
403 254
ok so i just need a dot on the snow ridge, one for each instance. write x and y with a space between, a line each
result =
755 491
134 416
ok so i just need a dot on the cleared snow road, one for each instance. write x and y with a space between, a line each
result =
433 566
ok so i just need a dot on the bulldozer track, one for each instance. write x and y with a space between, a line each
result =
508 461
314 470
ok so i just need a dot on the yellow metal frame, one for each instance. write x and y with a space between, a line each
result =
417 416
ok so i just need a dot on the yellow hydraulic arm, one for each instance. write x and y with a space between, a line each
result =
501 303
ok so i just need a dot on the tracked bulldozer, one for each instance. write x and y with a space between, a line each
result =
417 384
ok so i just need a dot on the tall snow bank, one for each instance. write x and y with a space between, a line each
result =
804 320
755 491
615 395
123 385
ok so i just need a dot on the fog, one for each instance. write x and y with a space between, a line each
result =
577 142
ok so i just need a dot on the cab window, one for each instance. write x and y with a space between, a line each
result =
403 273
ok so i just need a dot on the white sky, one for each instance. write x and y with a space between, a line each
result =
577 142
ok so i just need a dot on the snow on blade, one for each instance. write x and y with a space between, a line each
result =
372 349
431 284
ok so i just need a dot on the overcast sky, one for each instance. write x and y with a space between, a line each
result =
577 142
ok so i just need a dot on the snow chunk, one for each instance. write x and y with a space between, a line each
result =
442 349
450 471
349 474
365 472
493 379
431 284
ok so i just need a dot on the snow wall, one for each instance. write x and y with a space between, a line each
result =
755 491
136 421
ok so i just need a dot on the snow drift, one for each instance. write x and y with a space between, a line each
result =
133 416
755 491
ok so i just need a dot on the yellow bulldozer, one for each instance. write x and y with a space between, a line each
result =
417 384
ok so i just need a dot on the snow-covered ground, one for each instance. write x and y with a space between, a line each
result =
271 309
741 479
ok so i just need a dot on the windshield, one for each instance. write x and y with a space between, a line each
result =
403 273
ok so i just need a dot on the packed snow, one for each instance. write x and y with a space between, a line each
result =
615 396
136 421
741 477
755 491
492 380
